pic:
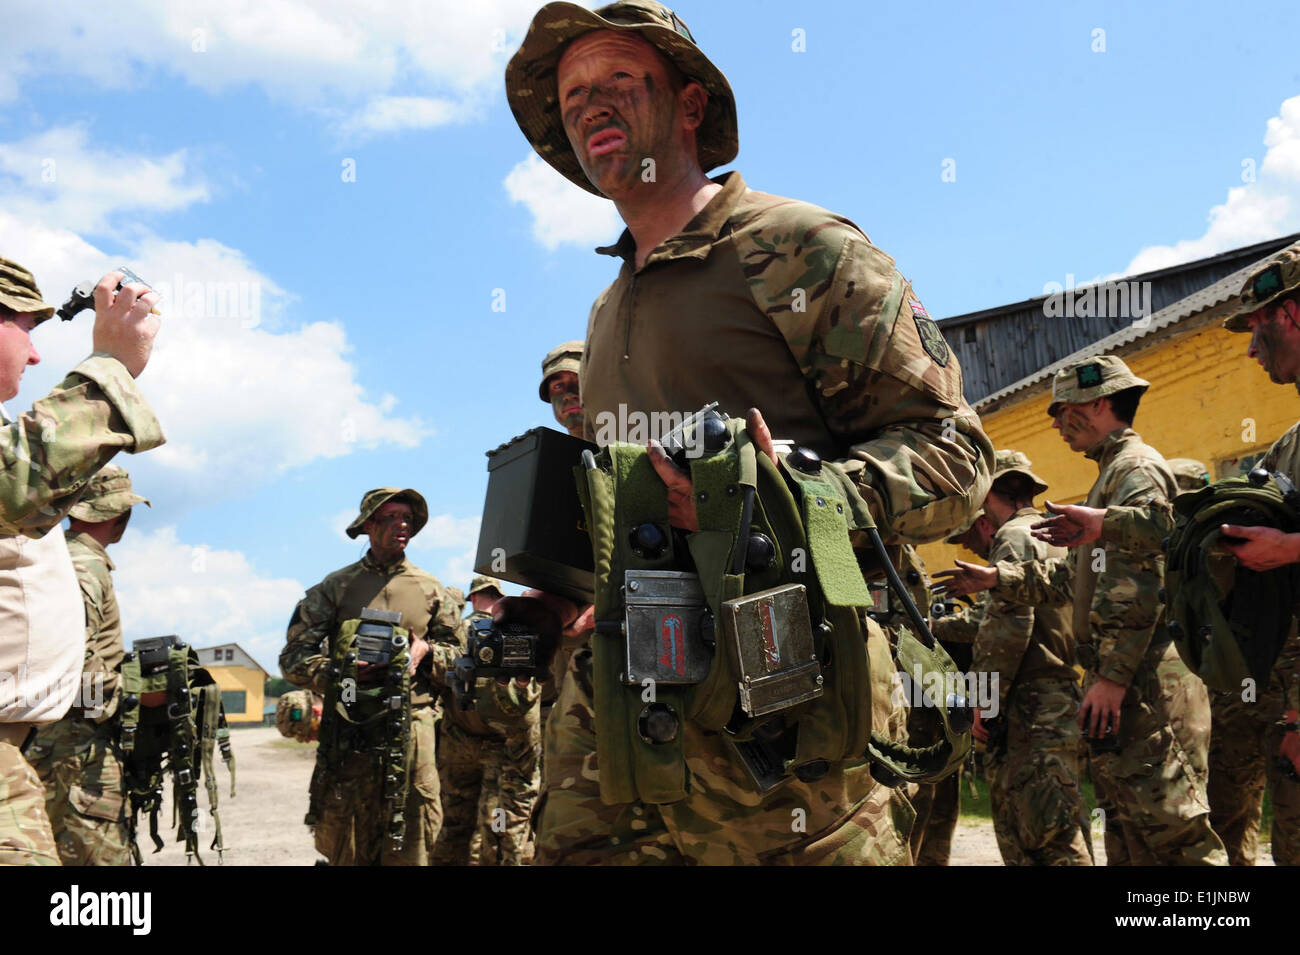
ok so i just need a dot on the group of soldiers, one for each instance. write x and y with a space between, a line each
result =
790 319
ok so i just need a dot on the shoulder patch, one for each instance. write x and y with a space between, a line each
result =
932 339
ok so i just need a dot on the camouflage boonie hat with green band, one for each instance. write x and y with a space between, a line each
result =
566 357
1090 379
1016 462
531 78
372 501
18 291
107 496
485 583
1277 276
1189 474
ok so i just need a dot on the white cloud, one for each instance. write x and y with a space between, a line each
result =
1253 212
561 211
205 596
62 178
388 114
329 55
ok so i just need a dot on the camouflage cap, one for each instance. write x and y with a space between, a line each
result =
958 536
1189 473
107 496
1016 462
372 501
1279 274
531 77
566 357
485 583
18 291
1091 378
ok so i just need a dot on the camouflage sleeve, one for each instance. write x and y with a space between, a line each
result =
103 648
1138 529
304 661
1008 626
511 701
1126 602
961 625
886 382
1046 580
446 635
49 452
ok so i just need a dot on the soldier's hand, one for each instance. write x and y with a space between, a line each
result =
1290 748
419 650
979 730
124 327
681 492
1073 525
1101 706
965 579
1262 548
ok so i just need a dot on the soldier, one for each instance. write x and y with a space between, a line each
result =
48 454
1248 747
349 828
1032 756
784 305
560 385
75 757
488 763
1149 713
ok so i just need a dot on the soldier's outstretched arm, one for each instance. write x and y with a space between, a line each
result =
48 453
886 383
1007 628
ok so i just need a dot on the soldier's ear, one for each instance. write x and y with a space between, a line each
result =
693 99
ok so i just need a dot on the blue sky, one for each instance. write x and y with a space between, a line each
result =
210 140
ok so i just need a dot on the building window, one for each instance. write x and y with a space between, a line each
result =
235 701
1240 466
230 654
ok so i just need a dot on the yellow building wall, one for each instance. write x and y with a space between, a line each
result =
251 681
1207 401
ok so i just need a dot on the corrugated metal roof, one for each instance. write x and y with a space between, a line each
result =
1205 305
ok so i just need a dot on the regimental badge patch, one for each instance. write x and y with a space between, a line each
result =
932 339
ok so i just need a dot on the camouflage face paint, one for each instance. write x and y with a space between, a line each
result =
390 530
565 405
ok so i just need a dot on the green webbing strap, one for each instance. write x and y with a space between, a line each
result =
210 704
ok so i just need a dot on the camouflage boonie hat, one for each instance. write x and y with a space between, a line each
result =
1277 276
531 78
957 536
372 501
18 291
1189 474
1090 379
1016 462
107 496
485 583
566 357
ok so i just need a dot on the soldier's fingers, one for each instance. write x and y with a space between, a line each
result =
126 297
1055 508
103 293
759 431
673 477
1246 531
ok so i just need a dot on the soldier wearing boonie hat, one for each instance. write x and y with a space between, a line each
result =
75 757
350 827
1137 688
560 385
48 455
725 261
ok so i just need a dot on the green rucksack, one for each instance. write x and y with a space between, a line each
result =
175 737
1228 622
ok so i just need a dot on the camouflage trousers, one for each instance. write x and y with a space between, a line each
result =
1155 785
843 818
352 825
1038 812
1244 743
25 836
937 807
489 789
84 795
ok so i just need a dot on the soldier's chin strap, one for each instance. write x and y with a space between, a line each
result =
918 652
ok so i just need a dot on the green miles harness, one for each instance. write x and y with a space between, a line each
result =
175 736
370 719
751 627
1228 622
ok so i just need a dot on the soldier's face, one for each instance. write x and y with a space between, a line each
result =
16 351
620 107
390 528
562 387
1275 341
1078 425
